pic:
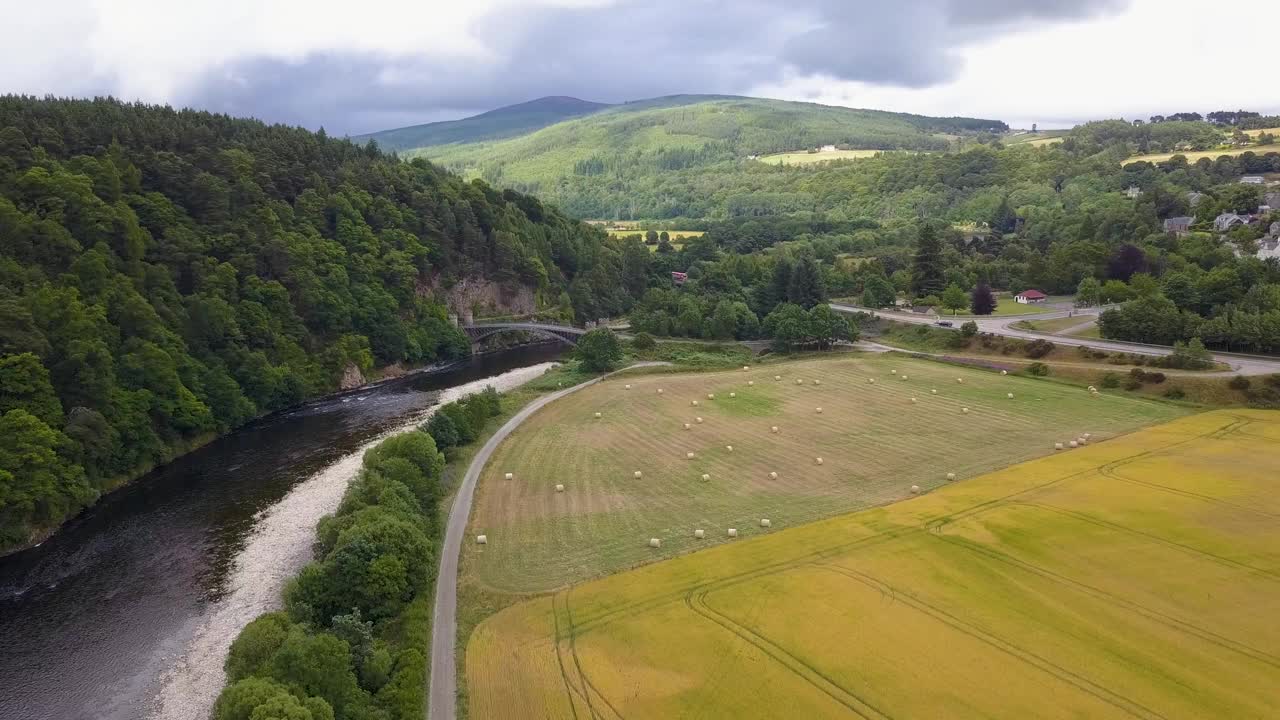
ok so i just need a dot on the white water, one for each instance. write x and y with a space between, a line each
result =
276 549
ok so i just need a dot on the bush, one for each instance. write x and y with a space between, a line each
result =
969 329
442 429
1175 393
1155 378
644 341
1038 348
1239 382
1132 384
255 645
1038 369
599 350
1110 380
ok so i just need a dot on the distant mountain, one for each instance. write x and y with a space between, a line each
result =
503 122
599 164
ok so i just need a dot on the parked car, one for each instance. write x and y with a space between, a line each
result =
945 323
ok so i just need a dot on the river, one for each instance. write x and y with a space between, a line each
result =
127 611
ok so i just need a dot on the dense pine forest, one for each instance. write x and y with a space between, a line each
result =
166 276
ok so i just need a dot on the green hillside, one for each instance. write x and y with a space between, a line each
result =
503 122
628 145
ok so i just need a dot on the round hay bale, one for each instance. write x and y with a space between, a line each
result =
964 410
746 368
1073 443
711 396
687 426
688 456
773 476
598 416
893 372
799 381
508 476
913 400
733 395
705 477
655 543
817 382
1093 389
1086 436
774 429
698 420
818 410
871 381
637 474
1009 395
818 460
904 377
1083 441
764 522
559 488
626 387
1004 372
695 403
777 377
951 476
960 380
733 532
699 533
659 391
751 383
729 448
934 391
482 539
915 489
1057 446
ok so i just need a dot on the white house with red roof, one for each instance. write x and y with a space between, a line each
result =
1030 297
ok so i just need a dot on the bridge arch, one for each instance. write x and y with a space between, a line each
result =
566 334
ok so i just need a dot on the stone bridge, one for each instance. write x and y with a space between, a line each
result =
564 333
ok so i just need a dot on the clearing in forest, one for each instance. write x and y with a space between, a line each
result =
1136 577
874 441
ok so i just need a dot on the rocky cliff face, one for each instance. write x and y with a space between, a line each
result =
484 297
352 378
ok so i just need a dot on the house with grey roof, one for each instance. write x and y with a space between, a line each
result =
1226 221
1178 225
1252 180
1194 197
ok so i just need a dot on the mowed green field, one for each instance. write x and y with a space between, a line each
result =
1133 578
875 444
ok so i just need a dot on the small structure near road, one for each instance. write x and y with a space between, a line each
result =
1030 297
1178 225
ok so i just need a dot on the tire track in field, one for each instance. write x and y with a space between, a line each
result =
569 689
696 602
1189 549
1180 625
588 686
1079 682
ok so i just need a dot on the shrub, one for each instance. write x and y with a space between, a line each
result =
644 341
969 329
1110 380
1038 369
1175 393
599 350
1155 378
1038 348
1138 374
1239 382
442 429
1132 384
255 645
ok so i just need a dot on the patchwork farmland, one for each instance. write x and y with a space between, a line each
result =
874 440
1136 577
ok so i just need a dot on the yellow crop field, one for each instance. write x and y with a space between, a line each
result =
874 441
1193 156
1135 577
806 158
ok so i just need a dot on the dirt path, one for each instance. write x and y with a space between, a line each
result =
442 701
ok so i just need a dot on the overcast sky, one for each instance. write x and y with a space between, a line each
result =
355 66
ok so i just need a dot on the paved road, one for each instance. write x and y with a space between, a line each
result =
442 701
1003 325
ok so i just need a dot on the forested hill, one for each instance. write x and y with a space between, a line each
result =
503 122
166 276
594 165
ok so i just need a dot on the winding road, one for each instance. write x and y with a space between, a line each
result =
442 700
1240 364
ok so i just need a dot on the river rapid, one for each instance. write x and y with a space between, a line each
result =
128 611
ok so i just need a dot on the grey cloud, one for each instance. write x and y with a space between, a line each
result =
629 51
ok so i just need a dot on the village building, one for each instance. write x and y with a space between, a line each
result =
1226 221
1030 297
1133 192
1252 180
1178 225
1194 198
